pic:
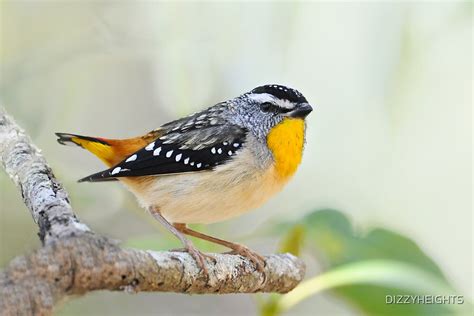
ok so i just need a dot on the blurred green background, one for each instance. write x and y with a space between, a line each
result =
388 145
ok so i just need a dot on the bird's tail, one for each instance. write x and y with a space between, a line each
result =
103 148
110 151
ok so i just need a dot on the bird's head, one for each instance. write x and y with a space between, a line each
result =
266 106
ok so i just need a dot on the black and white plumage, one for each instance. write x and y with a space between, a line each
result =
212 137
199 142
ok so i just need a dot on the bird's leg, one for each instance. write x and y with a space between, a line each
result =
188 245
257 259
178 228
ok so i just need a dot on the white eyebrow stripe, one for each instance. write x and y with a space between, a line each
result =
262 97
285 104
266 97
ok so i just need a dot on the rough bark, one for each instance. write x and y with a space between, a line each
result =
74 260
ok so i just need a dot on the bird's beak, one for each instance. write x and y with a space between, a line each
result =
301 111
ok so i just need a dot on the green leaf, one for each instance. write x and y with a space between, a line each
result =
363 268
333 240
377 273
293 241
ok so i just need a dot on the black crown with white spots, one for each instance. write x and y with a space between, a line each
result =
281 92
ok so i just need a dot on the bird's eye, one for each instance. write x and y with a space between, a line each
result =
266 107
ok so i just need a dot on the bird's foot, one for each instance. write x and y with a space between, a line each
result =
199 256
255 258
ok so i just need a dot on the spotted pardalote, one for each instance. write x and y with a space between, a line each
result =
209 166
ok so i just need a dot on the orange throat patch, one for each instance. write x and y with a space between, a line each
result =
286 142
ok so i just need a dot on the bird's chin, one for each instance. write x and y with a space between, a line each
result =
301 111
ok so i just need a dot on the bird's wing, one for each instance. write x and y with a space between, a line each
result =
197 143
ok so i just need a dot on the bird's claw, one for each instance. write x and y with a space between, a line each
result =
255 258
199 257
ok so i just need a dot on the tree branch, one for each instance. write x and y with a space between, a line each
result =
44 196
74 260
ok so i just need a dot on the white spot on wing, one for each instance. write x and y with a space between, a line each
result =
236 145
219 151
186 161
131 158
230 152
169 153
150 146
116 170
213 150
157 151
178 157
199 165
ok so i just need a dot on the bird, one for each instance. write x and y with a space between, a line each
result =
210 166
